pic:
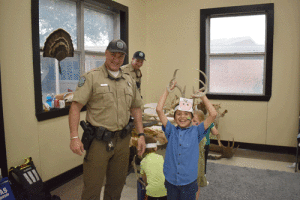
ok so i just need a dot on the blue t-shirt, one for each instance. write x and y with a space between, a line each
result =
182 153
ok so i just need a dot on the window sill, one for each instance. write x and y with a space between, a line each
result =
239 97
54 113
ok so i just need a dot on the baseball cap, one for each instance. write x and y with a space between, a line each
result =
139 55
117 45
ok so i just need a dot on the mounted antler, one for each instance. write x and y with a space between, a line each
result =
226 152
178 86
202 91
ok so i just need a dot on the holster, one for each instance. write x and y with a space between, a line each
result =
87 136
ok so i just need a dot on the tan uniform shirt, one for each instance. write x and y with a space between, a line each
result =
128 69
108 102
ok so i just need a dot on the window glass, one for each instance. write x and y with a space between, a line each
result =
55 83
54 14
98 30
236 51
93 61
236 75
238 34
91 25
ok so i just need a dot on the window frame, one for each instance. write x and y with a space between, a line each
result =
267 9
41 115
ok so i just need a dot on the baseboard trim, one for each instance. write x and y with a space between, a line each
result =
63 178
260 147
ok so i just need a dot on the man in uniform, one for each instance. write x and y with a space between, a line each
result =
133 68
110 97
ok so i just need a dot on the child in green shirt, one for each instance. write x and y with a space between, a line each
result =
152 171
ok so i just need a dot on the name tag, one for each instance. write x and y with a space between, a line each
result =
103 85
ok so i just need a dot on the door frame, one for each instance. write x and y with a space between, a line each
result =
3 158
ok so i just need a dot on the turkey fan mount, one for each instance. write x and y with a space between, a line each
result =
58 45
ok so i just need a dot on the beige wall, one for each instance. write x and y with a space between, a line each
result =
168 32
173 42
47 141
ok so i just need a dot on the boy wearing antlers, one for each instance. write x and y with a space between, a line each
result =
182 153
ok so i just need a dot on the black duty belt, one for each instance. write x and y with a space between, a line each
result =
101 133
104 134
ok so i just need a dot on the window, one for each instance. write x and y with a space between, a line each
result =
236 49
91 25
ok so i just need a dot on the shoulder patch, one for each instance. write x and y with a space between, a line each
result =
81 81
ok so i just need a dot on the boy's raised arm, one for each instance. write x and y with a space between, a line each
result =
214 131
212 113
160 106
159 109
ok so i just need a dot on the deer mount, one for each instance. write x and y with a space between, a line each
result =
226 152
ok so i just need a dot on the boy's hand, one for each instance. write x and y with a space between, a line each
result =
200 94
172 85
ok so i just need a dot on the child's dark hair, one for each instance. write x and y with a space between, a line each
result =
149 139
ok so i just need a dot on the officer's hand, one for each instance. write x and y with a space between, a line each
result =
76 146
141 145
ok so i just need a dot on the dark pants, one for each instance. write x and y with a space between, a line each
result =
156 198
182 192
133 152
206 147
99 164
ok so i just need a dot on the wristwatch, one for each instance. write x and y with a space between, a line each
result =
141 134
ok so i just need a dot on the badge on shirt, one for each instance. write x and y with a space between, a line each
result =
81 81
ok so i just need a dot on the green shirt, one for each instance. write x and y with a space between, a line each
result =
152 166
208 133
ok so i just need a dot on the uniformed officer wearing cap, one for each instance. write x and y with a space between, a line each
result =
110 97
133 68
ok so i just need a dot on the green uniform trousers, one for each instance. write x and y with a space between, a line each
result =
100 163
